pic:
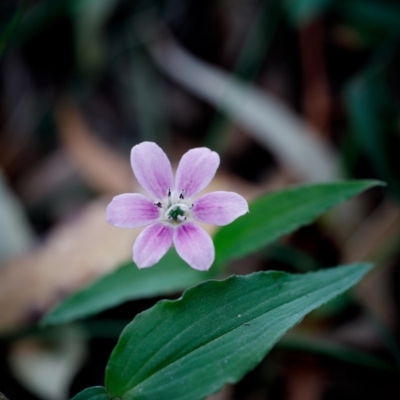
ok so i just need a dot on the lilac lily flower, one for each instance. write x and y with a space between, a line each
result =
171 212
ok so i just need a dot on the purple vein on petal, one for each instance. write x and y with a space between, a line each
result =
152 244
219 208
194 245
131 210
152 169
196 170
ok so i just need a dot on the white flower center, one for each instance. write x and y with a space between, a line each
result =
175 209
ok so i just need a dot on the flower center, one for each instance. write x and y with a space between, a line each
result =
175 213
175 209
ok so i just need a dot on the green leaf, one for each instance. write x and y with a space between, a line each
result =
189 348
280 213
93 393
170 275
270 217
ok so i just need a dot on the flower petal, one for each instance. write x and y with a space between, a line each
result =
219 208
152 169
194 245
151 244
196 170
132 210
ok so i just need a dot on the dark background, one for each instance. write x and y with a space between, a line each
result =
82 81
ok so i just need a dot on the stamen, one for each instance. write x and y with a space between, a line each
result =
169 192
182 195
159 205
181 218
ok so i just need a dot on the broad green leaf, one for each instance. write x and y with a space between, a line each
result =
189 348
93 393
270 217
170 275
280 213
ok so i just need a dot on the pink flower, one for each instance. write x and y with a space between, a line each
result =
171 211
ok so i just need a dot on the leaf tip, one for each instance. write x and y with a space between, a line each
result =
361 269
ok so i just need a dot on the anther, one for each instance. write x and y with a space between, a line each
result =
182 195
159 205
169 192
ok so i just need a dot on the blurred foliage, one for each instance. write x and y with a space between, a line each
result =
374 119
11 26
93 52
377 22
302 11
